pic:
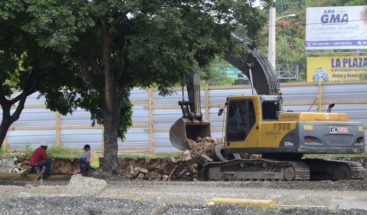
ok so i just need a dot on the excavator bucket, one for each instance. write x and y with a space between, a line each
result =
184 129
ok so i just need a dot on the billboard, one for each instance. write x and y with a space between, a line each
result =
336 68
336 27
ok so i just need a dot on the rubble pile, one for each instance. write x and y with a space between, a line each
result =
11 164
66 166
185 167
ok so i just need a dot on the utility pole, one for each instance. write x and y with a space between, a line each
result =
272 30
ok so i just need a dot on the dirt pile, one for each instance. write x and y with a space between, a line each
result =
13 164
66 166
185 167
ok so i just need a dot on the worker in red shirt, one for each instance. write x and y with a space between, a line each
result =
40 159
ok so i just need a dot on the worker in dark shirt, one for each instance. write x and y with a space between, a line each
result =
40 159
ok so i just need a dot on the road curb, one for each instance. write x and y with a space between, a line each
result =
262 203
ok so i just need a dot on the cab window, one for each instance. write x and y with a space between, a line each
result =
240 119
270 110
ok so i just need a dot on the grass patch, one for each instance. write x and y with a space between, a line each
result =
336 155
63 152
147 155
59 151
54 151
4 151
26 153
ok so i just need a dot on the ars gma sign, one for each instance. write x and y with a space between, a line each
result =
336 27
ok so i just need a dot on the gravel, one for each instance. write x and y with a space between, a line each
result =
345 185
150 197
88 205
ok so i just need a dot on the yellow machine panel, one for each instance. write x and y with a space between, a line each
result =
272 133
312 116
251 141
268 135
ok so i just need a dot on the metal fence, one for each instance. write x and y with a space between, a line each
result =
153 115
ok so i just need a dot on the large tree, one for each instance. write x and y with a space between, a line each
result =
25 68
117 45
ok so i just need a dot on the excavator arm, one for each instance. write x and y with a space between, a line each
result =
192 125
264 78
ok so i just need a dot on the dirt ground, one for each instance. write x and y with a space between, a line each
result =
182 197
171 186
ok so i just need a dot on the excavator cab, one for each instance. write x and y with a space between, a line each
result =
246 116
241 118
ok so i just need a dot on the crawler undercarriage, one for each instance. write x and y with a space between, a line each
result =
267 169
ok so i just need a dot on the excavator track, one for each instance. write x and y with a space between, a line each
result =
329 169
266 169
260 169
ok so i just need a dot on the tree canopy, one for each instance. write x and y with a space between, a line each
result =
116 45
26 67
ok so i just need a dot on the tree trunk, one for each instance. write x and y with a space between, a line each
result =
7 118
5 123
111 121
112 104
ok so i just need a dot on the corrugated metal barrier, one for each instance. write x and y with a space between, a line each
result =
153 115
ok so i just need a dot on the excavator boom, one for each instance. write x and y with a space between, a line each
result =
192 124
264 78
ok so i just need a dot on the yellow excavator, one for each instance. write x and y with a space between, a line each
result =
256 124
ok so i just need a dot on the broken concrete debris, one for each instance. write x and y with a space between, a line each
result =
185 167
84 186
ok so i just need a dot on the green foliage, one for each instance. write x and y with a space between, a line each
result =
60 151
26 153
149 156
111 46
152 43
4 151
55 151
363 76
27 67
212 76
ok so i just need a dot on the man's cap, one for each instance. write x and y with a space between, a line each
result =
86 146
44 144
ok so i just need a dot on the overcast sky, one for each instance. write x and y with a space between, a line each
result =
257 3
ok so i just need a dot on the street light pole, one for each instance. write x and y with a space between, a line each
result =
272 34
272 30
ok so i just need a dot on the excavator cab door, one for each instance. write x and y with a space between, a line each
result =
240 119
